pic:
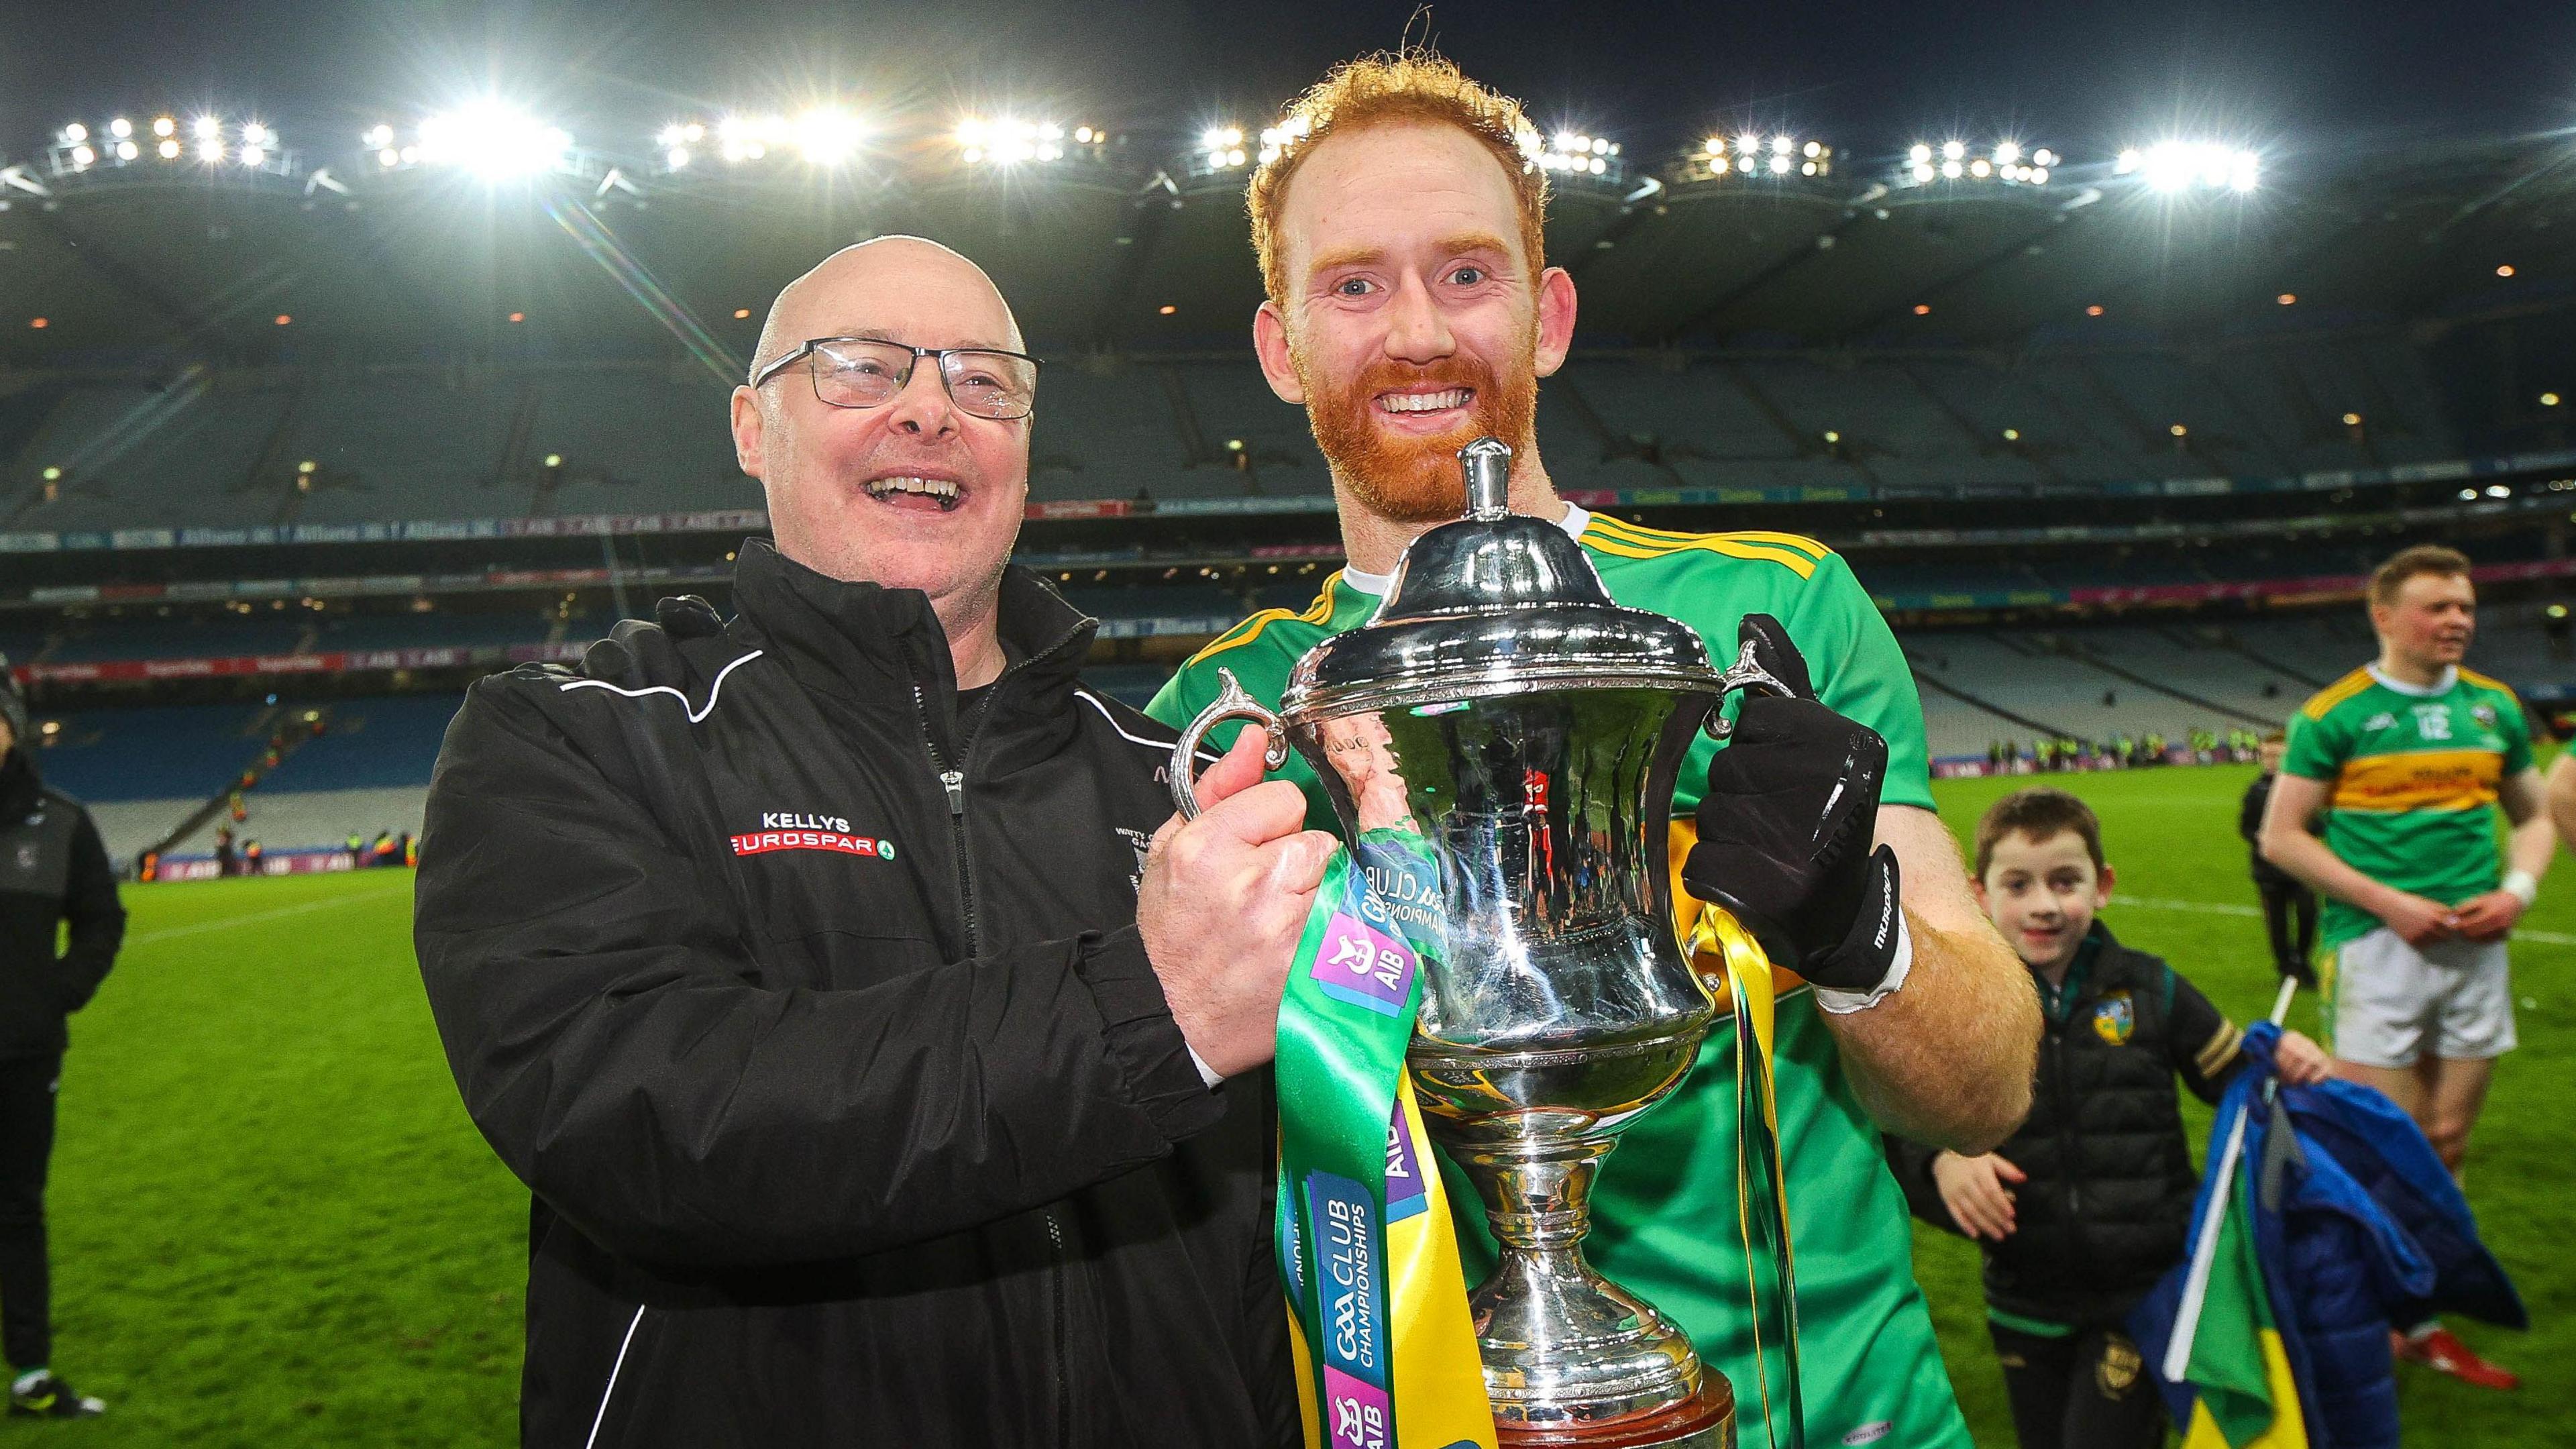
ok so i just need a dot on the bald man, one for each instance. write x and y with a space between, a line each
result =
885 1066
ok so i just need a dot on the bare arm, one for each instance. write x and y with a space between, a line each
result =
2491 917
2561 791
2537 814
2289 840
1948 1059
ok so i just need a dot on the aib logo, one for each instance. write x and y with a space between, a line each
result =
1362 966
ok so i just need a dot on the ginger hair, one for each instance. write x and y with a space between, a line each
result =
1415 84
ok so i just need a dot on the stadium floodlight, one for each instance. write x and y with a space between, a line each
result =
1578 153
1009 141
1275 140
120 128
127 151
491 139
168 149
255 134
1951 170
206 128
1753 155
2174 166
254 156
1919 155
1954 150
165 127
379 138
829 135
2007 153
75 133
1222 146
82 156
211 149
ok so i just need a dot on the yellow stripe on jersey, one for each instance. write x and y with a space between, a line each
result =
1640 533
2489 681
1250 629
1617 543
2420 780
2336 693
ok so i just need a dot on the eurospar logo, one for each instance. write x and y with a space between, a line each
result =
788 830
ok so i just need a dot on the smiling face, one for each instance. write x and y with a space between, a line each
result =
912 493
2042 893
2430 620
1411 324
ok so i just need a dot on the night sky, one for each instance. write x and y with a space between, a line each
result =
2293 77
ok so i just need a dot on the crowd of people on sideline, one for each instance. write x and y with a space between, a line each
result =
2235 745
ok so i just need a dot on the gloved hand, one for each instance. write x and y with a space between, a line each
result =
1785 830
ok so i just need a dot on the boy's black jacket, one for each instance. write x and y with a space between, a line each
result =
2111 1181
812 1010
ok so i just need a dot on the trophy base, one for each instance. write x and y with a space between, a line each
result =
1706 1420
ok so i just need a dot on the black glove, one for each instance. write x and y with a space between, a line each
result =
1785 830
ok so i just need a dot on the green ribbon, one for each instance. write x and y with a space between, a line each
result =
1351 1164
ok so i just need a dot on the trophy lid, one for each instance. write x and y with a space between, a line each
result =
1494 603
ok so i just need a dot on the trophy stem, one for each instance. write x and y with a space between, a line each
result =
1565 1349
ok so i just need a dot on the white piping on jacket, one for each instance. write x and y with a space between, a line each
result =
1094 701
614 1369
695 715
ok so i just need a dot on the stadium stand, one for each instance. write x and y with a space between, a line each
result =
144 770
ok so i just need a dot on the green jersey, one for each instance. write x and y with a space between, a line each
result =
2414 775
1664 1217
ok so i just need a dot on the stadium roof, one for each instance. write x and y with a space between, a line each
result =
307 262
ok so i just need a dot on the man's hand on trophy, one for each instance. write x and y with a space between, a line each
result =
1785 831
1224 903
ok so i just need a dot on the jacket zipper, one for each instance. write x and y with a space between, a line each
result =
953 781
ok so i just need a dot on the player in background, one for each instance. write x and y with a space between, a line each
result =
2289 907
2386 805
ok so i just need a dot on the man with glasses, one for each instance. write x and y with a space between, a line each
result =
885 1065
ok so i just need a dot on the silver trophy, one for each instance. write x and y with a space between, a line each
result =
1500 742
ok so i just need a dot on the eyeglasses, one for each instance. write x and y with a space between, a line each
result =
867 372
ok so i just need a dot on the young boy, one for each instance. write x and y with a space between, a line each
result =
2085 1207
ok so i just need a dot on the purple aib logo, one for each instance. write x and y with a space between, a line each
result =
1363 966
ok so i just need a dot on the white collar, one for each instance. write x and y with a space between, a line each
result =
1577 518
2450 676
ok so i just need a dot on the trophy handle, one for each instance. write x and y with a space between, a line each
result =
1231 702
1747 673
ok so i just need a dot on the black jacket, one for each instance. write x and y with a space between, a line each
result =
2249 825
2111 1182
815 1018
53 871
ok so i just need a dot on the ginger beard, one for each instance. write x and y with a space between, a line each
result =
1416 479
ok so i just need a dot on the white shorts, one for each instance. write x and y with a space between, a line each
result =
2387 1003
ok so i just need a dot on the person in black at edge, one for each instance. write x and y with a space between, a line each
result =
836 978
54 872
2289 907
2087 1205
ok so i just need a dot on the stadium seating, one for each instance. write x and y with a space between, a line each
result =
144 770
414 443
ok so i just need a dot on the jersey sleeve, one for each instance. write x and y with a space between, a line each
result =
2206 1047
2515 725
1180 699
1861 673
2317 747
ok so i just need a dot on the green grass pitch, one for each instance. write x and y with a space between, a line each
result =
273 1225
